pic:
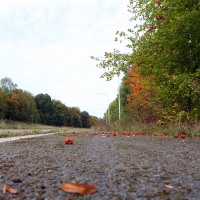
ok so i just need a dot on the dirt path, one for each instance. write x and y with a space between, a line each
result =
136 167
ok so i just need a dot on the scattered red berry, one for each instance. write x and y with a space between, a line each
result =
68 141
138 133
182 136
176 136
158 2
113 134
167 21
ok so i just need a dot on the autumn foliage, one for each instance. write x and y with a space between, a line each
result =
163 80
136 83
20 105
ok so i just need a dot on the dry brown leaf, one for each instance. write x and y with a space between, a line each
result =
168 186
150 195
9 189
78 188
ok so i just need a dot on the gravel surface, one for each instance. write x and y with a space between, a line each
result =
135 167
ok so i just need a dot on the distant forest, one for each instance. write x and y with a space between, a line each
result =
20 105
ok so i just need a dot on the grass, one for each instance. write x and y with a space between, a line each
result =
152 128
133 126
11 134
7 124
31 129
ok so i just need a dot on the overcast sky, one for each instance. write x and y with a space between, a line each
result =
45 47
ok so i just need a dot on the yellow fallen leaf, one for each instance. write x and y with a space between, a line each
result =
168 186
9 189
78 188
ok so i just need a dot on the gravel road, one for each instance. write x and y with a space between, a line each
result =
135 167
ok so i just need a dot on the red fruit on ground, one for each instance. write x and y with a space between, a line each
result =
68 141
158 2
113 134
138 133
176 136
167 21
182 136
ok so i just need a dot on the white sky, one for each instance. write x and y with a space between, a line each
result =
45 47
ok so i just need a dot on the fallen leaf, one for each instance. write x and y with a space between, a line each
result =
78 188
9 189
168 186
150 195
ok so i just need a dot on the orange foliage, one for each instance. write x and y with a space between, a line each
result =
136 83
13 100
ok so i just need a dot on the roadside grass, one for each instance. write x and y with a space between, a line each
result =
152 128
7 124
32 129
169 129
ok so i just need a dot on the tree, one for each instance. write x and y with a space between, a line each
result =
61 115
12 106
114 110
85 118
7 85
27 111
94 121
45 108
168 54
20 106
2 104
165 46
75 117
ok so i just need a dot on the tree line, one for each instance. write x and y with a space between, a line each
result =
20 105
